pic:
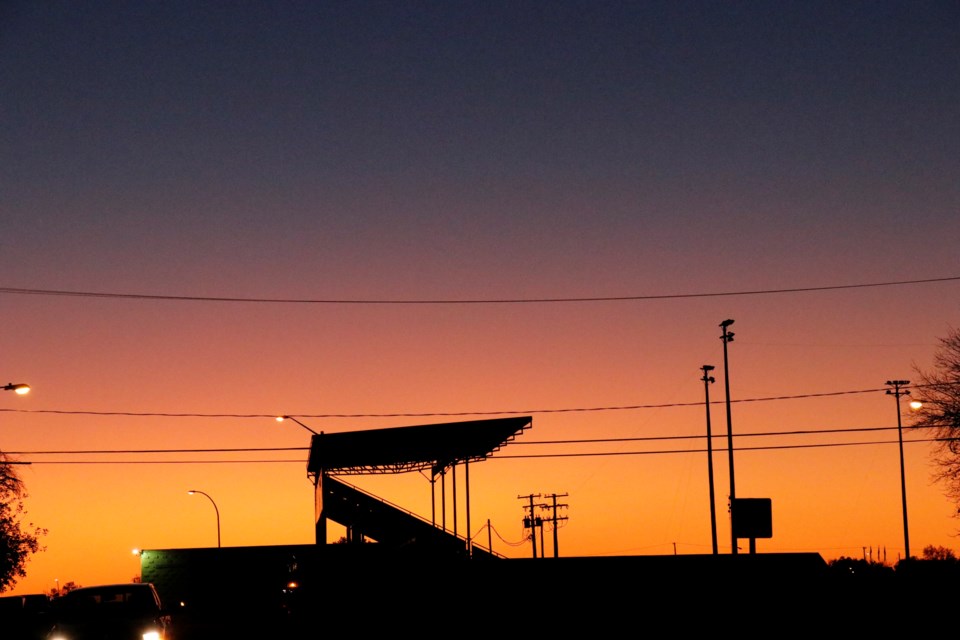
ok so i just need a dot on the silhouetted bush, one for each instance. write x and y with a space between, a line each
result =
853 569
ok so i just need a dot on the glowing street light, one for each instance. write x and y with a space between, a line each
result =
193 491
19 388
282 418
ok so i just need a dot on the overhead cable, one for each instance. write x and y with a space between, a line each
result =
358 301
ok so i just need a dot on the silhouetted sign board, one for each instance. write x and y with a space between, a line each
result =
752 517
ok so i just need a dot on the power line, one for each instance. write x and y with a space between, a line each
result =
716 450
50 462
436 414
599 454
742 435
108 451
541 443
330 301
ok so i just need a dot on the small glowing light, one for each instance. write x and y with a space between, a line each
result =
281 418
18 388
135 551
916 404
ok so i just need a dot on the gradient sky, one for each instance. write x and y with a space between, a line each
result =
376 165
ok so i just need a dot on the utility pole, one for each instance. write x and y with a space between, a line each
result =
707 381
555 519
531 522
896 392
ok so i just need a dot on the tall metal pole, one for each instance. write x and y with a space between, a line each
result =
896 392
727 336
707 381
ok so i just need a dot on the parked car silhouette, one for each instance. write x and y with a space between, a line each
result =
111 612
24 617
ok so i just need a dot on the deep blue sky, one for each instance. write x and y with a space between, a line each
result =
381 132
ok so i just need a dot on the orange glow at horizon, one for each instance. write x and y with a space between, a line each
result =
636 478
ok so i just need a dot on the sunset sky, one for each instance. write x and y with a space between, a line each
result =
378 214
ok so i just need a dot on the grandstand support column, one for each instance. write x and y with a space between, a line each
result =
320 519
443 499
433 500
454 499
466 473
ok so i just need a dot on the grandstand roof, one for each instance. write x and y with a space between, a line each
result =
413 448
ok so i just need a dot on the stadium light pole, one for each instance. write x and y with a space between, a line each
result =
19 388
727 336
193 491
707 380
896 392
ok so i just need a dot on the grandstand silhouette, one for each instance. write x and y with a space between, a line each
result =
435 448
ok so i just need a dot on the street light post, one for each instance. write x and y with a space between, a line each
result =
727 336
896 392
19 388
193 491
282 418
707 381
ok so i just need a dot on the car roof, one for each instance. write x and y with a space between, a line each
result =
118 585
121 587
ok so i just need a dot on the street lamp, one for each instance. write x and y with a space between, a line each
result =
727 336
193 491
19 388
896 392
282 418
707 381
